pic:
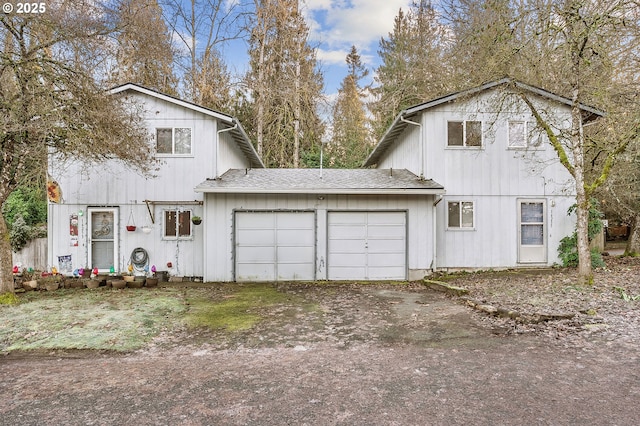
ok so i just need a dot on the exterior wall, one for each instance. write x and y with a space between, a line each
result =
494 177
111 184
219 234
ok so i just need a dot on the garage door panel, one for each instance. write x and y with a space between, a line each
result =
275 245
295 237
385 259
256 255
340 232
256 237
386 246
348 260
367 245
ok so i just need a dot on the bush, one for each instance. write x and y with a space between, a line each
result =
568 248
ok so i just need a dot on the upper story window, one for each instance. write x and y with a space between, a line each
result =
177 224
464 133
460 214
173 141
521 135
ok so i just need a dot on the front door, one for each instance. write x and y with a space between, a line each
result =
532 231
103 238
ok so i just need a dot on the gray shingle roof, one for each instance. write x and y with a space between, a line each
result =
327 181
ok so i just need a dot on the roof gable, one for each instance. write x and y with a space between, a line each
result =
400 123
229 122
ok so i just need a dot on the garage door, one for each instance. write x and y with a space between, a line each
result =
274 246
367 245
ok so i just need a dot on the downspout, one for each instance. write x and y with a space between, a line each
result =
434 263
404 120
235 126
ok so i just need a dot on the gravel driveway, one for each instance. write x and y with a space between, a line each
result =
375 354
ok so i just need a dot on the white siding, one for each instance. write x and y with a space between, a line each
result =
219 213
493 177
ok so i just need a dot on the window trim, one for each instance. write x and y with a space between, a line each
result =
464 135
179 211
173 142
529 139
461 228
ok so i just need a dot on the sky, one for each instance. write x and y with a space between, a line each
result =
336 25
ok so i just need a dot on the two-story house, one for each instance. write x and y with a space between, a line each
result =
507 194
110 217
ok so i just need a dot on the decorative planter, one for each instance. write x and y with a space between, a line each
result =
76 283
93 284
128 278
118 284
52 286
146 229
30 285
196 221
151 282
137 283
131 228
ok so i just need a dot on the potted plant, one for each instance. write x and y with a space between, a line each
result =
196 220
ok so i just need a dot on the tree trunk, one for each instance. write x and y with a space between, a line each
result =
633 243
6 259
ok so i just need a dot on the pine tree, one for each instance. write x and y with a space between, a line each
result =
350 142
284 85
144 51
413 68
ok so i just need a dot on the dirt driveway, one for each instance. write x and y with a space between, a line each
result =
371 355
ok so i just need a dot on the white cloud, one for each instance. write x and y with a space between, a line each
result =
339 23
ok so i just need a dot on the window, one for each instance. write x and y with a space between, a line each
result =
460 214
521 135
531 224
177 224
464 133
173 141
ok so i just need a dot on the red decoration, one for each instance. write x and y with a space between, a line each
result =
16 269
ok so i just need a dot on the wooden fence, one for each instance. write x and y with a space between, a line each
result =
33 255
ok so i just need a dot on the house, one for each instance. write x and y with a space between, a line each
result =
89 226
507 194
463 181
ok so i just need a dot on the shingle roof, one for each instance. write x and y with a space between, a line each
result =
326 181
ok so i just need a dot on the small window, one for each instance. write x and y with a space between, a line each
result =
522 135
460 214
173 141
464 133
177 224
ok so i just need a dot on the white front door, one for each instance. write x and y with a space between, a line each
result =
103 238
367 245
532 231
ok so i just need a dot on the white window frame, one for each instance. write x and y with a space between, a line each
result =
173 142
177 211
460 226
464 135
531 141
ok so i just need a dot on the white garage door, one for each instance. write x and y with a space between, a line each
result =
367 245
274 246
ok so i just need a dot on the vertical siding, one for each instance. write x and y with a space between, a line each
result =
219 239
494 177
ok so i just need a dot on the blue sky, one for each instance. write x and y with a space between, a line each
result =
336 25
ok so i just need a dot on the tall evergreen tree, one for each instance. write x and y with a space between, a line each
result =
284 84
144 50
350 142
413 68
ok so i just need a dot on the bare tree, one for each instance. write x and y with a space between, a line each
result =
144 48
51 104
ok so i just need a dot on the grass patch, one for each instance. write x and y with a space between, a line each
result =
97 320
9 299
239 311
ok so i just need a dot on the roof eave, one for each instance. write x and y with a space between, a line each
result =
323 191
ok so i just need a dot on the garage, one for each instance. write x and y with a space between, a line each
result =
367 245
274 245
